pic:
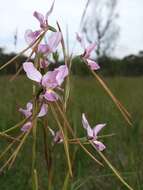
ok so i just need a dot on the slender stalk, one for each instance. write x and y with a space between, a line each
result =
14 155
64 138
35 180
122 109
113 168
34 129
22 52
48 156
8 137
9 146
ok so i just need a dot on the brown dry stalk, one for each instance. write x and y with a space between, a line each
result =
122 109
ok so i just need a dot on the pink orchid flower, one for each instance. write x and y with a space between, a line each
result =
30 36
49 81
43 20
92 133
57 136
28 112
87 53
51 45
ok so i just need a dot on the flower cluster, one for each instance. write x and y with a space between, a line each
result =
50 81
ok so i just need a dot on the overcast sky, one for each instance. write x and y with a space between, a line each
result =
18 14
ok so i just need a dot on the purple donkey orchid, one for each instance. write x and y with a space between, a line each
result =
31 37
28 112
92 133
43 20
87 53
49 81
57 136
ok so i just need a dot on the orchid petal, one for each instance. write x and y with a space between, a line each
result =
29 106
49 80
92 64
26 126
62 73
30 36
87 126
97 129
50 11
58 138
51 96
40 18
89 49
54 41
43 111
31 72
99 145
25 112
44 49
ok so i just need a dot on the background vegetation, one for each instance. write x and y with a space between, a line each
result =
124 149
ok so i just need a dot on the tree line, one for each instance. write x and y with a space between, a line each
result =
131 65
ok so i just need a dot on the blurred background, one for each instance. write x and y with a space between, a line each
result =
117 28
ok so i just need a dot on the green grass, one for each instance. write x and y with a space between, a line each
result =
124 150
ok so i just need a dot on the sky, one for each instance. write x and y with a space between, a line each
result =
18 14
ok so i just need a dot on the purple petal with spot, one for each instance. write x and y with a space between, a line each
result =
58 138
99 145
51 96
49 80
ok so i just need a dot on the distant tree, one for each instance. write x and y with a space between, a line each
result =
99 25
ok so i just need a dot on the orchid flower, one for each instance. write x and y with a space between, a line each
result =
43 20
49 81
87 53
57 136
51 45
92 133
28 112
30 36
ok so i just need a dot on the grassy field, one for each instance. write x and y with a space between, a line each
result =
124 150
